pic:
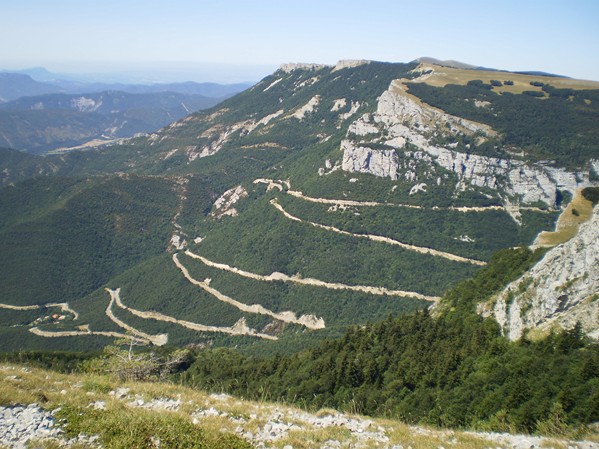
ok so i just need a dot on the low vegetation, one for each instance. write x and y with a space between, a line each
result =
500 81
144 415
117 424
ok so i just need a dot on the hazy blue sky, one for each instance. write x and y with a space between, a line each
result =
176 35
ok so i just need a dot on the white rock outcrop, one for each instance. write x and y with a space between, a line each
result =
418 188
290 67
361 159
395 103
338 104
177 242
84 104
355 105
363 127
271 85
266 119
560 290
348 63
308 108
223 206
219 135
402 118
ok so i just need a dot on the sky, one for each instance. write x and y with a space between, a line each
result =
236 40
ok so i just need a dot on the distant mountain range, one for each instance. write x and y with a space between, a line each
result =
39 81
16 85
39 116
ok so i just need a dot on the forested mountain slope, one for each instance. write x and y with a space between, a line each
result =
323 196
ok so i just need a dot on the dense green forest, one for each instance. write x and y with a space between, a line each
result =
437 228
453 370
64 238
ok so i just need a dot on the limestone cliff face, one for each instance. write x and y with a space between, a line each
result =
402 118
560 290
383 163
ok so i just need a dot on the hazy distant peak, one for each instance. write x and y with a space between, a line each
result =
39 74
447 63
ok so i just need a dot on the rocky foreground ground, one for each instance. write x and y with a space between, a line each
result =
264 425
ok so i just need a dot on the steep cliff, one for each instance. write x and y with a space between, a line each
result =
405 132
562 289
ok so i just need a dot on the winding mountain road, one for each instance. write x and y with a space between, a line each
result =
379 238
280 277
309 321
239 328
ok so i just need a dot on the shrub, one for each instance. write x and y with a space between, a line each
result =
126 428
130 365
533 93
591 194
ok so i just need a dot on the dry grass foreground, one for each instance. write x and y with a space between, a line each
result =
93 401
578 211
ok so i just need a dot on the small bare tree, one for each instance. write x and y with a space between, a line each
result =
122 361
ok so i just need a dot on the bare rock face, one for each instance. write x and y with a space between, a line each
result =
560 290
357 159
290 67
348 63
363 127
526 183
402 118
396 104
307 109
223 206
83 104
